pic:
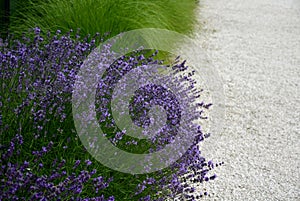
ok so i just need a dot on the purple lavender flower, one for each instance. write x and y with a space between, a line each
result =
41 73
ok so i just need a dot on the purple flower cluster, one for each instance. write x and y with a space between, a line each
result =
37 79
192 168
36 84
41 72
19 182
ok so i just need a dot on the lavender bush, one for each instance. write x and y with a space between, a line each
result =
41 155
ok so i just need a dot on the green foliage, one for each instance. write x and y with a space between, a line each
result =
103 16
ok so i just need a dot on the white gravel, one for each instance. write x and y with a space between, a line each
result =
254 45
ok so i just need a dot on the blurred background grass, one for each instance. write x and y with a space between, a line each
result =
92 16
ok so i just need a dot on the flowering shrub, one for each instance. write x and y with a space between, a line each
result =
41 155
36 77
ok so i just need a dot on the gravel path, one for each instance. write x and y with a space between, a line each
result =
255 47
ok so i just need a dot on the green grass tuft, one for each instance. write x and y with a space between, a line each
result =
104 16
